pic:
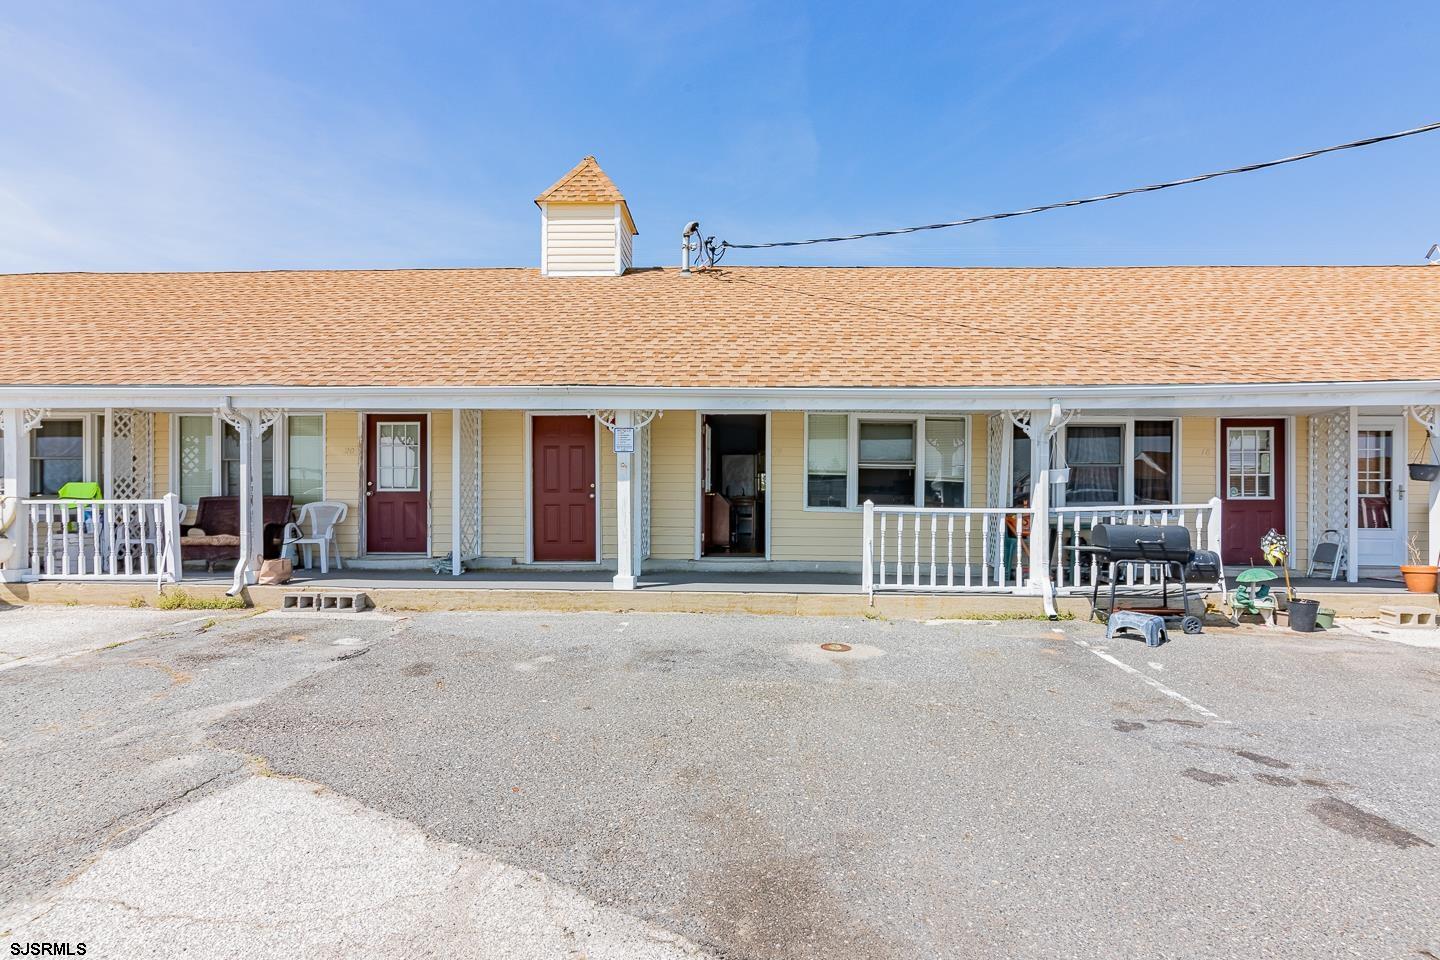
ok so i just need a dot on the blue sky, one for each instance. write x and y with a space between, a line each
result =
147 136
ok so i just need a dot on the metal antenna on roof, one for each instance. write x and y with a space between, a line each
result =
1432 256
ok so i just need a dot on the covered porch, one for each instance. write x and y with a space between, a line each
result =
968 493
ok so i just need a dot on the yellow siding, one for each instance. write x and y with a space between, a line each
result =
502 484
342 474
672 486
795 533
442 482
1300 534
605 490
160 462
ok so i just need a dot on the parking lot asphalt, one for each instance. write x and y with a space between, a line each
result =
1008 789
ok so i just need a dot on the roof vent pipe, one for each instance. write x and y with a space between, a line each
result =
692 229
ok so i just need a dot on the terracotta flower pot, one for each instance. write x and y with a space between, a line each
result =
1419 579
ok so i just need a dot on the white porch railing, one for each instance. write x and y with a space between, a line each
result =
105 539
939 550
945 550
1074 570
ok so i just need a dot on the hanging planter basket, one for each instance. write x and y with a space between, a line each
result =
1426 471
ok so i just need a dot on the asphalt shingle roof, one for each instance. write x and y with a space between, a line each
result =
729 327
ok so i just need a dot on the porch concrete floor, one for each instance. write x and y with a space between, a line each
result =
542 579
703 581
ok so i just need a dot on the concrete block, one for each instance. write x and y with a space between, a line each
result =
1398 616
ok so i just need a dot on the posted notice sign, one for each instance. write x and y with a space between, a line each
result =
624 439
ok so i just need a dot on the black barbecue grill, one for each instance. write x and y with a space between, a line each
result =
1162 549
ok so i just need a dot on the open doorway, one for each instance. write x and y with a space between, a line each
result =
732 485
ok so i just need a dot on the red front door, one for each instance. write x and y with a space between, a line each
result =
1252 484
397 484
562 451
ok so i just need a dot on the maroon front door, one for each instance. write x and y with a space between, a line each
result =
1252 484
397 483
562 450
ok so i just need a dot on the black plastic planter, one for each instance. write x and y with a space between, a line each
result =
1302 615
1425 471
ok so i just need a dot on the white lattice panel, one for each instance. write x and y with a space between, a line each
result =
469 506
132 454
1329 462
995 479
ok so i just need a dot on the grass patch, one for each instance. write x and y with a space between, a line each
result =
180 600
137 602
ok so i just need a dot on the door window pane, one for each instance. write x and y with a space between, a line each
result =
1154 461
57 451
1093 454
826 455
887 462
1020 469
306 458
1250 463
1375 478
397 456
944 463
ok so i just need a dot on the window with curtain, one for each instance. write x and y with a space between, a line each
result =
826 454
1094 455
230 462
945 463
886 465
1154 461
306 458
57 452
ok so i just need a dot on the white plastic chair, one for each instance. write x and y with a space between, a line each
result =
315 526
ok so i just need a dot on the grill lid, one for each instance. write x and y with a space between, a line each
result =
1132 541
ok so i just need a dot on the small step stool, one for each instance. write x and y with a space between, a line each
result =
1147 624
1397 616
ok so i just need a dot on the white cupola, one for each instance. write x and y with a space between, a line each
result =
585 225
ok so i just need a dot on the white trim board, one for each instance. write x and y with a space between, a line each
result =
1198 399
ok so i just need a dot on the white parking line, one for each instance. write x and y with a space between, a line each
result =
1172 694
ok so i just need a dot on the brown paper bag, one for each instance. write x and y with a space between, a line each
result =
275 572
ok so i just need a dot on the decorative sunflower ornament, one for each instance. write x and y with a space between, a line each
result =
1276 550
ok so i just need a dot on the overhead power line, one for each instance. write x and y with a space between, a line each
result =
1150 188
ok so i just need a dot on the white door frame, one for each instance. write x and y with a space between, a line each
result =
700 416
529 486
1370 540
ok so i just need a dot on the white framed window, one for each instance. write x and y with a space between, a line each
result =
205 457
1250 463
66 449
1111 463
890 460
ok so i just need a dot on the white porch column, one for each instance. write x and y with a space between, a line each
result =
250 424
1352 544
627 567
16 455
1040 434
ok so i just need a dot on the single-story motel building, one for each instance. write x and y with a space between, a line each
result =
590 415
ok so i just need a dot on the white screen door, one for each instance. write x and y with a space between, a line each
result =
1380 487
